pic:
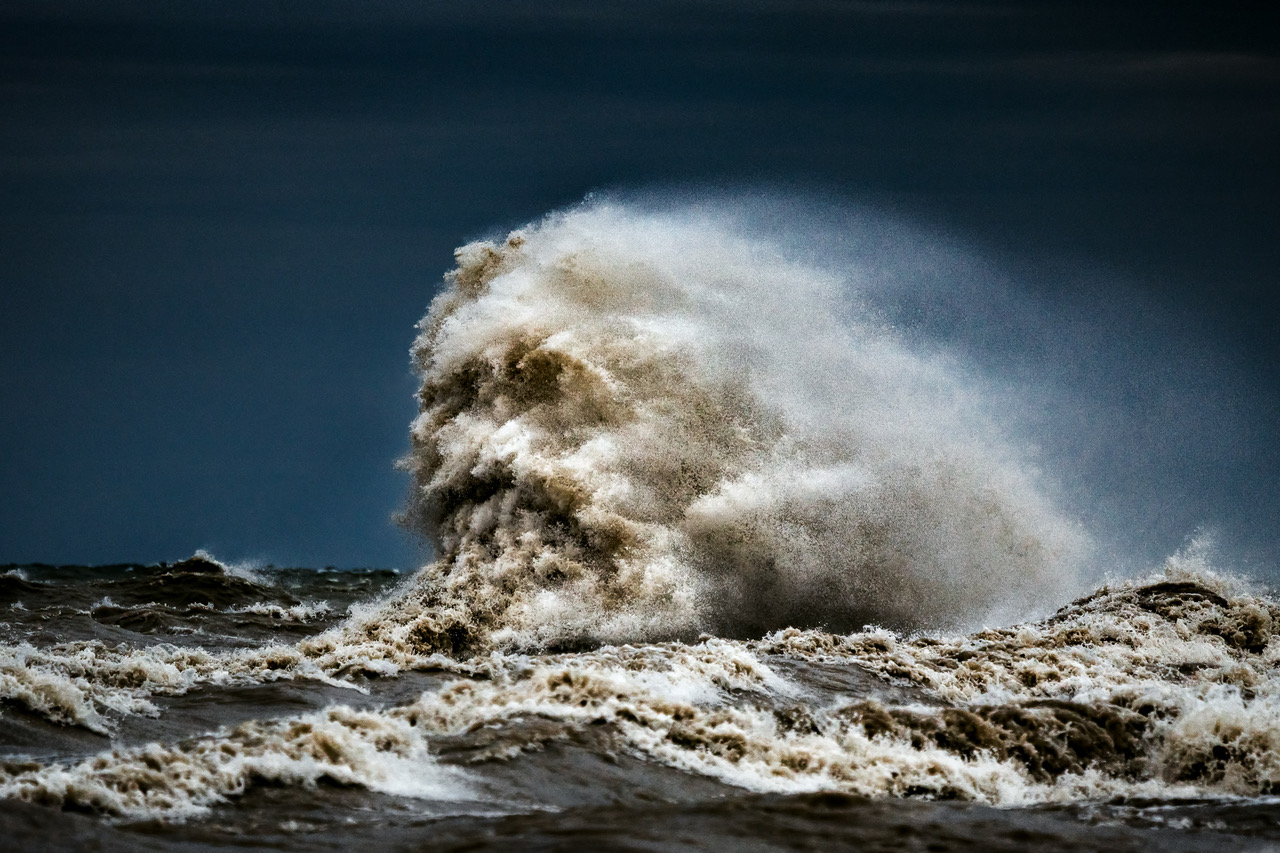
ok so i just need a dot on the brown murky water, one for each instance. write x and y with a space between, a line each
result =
169 707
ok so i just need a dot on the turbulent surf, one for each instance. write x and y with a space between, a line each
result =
711 540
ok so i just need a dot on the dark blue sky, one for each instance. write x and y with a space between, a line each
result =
220 221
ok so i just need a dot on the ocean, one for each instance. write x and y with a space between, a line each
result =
722 561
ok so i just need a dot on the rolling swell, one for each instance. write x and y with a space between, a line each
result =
638 426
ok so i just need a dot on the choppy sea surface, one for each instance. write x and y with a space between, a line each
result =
167 707
722 562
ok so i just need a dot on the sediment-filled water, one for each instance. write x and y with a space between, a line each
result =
721 562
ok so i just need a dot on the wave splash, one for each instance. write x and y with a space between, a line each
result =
636 428
640 426
1160 688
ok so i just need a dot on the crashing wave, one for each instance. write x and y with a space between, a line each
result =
639 426
1168 687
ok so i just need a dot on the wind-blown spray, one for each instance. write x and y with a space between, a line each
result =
638 426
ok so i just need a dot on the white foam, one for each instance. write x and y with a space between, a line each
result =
381 752
641 425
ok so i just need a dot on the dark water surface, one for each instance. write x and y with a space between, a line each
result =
516 777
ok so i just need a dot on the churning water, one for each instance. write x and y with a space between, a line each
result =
717 553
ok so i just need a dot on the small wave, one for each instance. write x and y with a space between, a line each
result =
15 585
304 612
196 581
1164 687
382 752
79 684
90 684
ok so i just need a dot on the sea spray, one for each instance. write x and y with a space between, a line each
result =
639 426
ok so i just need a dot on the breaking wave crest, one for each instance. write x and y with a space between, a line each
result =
638 426
1165 687
689 508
